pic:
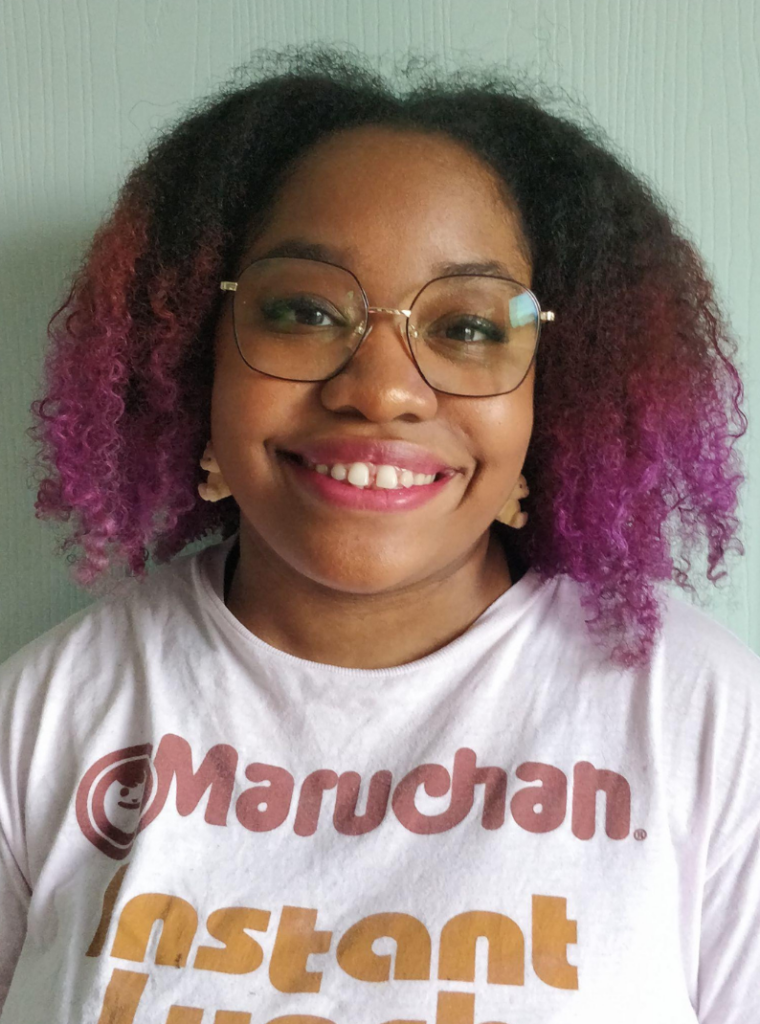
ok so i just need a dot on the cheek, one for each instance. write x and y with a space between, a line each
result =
242 406
251 415
502 429
238 416
244 416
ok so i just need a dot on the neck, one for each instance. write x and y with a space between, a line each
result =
308 620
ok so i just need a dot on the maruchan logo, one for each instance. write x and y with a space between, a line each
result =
123 792
113 796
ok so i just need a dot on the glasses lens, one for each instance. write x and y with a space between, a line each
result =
474 335
297 319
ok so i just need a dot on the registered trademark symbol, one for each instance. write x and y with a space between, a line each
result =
639 834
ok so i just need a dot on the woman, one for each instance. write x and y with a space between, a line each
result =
395 749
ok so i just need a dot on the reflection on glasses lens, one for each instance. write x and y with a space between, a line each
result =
301 319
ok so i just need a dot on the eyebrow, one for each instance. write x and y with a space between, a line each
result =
300 248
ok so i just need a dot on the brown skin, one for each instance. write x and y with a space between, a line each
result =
366 589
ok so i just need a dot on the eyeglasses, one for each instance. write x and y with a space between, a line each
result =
304 319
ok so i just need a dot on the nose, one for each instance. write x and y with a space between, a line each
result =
381 381
397 317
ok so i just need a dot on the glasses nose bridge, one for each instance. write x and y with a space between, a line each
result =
401 324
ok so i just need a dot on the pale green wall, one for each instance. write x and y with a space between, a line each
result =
84 84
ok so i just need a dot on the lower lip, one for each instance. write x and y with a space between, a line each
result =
381 499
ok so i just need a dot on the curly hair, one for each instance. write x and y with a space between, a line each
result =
637 403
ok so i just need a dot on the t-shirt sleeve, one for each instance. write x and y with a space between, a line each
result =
14 901
712 681
729 963
17 737
728 979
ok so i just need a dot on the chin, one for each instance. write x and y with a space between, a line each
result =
366 574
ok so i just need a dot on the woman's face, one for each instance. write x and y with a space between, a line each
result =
387 205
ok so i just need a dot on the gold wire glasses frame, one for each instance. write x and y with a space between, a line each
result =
364 327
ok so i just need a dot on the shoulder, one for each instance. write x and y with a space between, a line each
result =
98 641
693 644
690 641
707 683
706 689
691 711
695 698
92 681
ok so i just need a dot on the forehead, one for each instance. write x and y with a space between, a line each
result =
386 197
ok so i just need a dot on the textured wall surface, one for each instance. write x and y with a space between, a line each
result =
84 84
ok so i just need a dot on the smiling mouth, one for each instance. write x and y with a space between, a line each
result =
367 475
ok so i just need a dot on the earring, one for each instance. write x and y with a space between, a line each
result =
213 488
511 514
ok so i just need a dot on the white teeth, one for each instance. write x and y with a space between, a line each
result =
358 474
386 477
362 474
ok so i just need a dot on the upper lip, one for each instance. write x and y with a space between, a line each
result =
346 450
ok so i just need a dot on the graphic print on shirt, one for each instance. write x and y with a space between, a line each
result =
124 792
112 797
126 788
298 937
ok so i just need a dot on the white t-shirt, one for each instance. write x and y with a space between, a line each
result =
508 830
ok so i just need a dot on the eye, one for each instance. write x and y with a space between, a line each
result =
470 329
301 311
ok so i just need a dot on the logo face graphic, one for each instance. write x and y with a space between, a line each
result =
113 796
